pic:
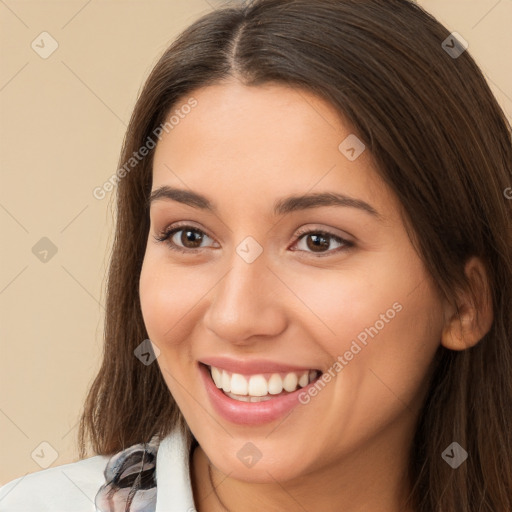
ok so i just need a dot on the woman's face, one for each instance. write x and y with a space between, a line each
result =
293 259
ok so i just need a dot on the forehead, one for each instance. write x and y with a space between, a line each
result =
274 121
260 141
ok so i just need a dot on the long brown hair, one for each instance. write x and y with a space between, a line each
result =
441 143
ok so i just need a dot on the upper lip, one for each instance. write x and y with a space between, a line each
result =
252 366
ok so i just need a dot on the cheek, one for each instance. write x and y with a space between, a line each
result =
386 335
406 346
339 306
384 320
157 299
389 296
167 295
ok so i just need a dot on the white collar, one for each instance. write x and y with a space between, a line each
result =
174 488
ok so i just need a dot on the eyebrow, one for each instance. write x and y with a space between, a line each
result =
282 206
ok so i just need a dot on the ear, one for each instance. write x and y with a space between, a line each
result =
471 318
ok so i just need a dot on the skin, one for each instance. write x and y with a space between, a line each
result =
244 148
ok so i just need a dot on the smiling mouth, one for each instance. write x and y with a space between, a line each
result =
260 387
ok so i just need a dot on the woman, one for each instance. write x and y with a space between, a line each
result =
310 288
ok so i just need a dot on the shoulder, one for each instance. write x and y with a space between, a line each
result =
68 487
126 479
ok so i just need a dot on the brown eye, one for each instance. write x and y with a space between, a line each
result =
183 238
319 242
190 238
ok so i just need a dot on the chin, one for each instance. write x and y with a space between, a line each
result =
249 464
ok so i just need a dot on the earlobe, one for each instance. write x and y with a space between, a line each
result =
471 319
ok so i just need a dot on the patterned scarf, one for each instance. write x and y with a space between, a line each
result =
130 477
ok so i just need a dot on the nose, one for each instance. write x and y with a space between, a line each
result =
246 304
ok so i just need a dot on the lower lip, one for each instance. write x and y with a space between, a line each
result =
249 413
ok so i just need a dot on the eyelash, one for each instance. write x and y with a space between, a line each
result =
167 234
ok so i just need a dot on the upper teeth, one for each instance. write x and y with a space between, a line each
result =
260 385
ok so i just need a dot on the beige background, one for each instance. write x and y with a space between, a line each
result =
62 123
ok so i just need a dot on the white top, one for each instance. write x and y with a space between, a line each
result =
73 487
